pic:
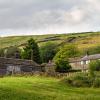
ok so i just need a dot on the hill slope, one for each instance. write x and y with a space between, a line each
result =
83 40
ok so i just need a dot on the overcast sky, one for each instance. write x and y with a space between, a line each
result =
18 17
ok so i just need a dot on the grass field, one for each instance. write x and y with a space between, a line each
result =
40 88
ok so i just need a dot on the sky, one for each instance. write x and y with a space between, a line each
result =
34 17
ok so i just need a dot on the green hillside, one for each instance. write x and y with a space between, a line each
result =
83 40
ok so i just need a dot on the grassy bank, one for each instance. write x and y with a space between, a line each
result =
40 88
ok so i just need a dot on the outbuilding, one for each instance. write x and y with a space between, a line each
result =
11 66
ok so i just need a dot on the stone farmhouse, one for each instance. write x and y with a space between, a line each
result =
12 66
83 62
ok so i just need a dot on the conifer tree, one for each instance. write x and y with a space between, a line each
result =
31 51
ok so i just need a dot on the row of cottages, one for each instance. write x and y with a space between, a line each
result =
11 66
83 62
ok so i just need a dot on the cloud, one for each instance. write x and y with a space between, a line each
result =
48 16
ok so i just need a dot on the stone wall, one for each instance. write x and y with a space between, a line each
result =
11 66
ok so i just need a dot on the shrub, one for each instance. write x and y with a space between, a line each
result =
81 80
96 82
94 66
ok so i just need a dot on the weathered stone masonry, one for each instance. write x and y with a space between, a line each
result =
11 66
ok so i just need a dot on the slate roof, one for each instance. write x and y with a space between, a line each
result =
4 60
85 58
91 57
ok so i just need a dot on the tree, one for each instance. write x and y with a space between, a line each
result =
66 52
31 51
1 52
48 51
61 58
62 65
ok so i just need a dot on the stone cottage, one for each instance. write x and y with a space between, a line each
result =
11 66
83 62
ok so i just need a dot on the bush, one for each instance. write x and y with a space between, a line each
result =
94 66
82 81
96 82
79 81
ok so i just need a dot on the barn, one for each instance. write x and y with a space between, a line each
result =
12 66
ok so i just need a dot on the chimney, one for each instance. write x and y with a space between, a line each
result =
17 55
87 53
